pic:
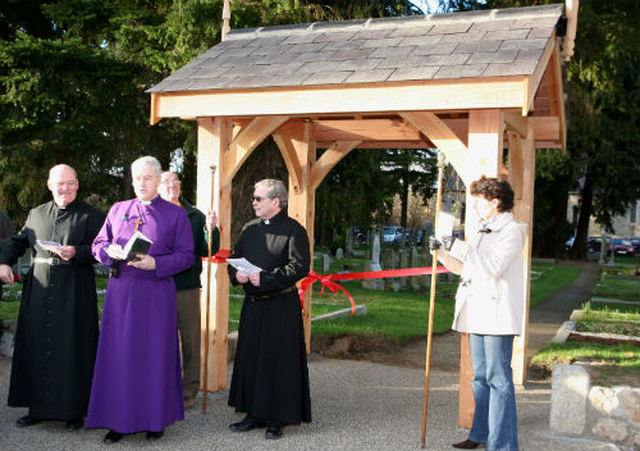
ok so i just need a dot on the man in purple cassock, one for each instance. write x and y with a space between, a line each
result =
137 384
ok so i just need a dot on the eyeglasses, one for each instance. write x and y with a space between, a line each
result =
259 198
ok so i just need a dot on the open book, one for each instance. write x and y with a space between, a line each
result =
137 244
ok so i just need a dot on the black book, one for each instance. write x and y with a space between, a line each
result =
137 244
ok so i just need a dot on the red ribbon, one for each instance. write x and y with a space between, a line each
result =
327 280
220 256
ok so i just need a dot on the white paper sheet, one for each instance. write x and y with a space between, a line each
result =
242 264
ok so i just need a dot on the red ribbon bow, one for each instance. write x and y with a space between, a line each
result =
328 280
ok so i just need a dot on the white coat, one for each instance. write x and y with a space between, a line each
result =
490 299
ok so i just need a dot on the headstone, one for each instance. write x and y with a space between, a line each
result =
569 390
403 282
374 265
375 249
415 263
339 253
349 242
326 263
425 255
391 262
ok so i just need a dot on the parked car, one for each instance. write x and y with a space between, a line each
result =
392 234
636 244
622 247
359 236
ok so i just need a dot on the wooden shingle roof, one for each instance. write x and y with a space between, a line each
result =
478 44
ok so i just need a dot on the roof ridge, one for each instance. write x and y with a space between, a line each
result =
384 22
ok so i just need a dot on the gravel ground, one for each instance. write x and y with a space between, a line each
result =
356 406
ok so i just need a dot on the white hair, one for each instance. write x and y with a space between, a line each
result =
146 161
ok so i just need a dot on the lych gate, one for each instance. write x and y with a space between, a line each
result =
470 84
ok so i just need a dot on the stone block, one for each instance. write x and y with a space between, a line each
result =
569 390
629 401
603 400
611 429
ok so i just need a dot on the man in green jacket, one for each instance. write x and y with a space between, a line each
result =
188 287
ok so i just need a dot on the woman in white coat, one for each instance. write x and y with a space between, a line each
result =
489 306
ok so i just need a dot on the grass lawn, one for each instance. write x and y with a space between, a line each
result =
610 363
613 361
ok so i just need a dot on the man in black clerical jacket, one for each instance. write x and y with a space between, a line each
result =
270 381
57 328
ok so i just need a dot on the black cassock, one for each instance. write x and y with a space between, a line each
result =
270 376
57 329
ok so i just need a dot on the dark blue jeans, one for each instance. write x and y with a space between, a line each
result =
494 421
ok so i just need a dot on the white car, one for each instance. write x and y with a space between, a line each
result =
392 234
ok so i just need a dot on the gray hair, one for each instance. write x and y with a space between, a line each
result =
275 189
146 161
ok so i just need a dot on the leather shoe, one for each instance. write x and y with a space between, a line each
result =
27 420
154 435
274 432
74 425
112 437
247 424
467 444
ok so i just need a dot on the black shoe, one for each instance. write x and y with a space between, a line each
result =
467 444
247 424
112 437
153 435
274 432
74 425
27 420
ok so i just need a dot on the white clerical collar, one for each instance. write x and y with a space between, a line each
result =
266 221
145 202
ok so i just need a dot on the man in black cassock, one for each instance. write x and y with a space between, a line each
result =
270 380
57 329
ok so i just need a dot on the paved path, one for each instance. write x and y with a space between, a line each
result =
356 406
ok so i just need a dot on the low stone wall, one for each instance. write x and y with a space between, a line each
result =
579 409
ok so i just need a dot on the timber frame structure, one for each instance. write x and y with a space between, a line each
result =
471 84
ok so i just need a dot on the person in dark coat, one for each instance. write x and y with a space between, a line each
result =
188 286
270 381
57 330
6 231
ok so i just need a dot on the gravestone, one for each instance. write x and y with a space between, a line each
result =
348 252
326 263
415 263
403 282
373 264
339 253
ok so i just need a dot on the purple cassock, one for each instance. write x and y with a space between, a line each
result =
137 383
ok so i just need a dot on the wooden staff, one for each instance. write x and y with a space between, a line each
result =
205 373
432 303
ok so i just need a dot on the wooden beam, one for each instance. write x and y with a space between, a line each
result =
153 113
484 158
443 137
291 161
533 83
214 135
522 176
423 144
569 40
516 122
328 160
247 140
501 92
302 203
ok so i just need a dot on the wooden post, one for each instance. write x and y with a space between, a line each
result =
485 158
300 154
522 169
214 135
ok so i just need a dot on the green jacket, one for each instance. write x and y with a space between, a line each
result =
190 279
